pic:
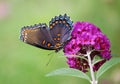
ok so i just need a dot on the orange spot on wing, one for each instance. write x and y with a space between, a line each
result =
67 25
57 44
58 34
53 24
51 27
64 22
56 22
48 44
60 21
43 42
58 39
55 39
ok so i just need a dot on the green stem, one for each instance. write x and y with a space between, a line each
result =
91 68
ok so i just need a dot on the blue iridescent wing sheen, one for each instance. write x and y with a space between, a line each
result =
37 35
60 29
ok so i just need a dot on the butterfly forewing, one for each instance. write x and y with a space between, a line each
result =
37 35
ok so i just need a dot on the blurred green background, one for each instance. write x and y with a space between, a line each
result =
24 64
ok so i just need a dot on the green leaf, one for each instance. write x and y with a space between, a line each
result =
69 72
106 66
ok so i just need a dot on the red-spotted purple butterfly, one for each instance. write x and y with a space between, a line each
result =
53 37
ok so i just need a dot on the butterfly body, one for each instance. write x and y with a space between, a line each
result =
53 37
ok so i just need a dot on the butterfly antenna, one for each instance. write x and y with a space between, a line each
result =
51 56
61 55
50 53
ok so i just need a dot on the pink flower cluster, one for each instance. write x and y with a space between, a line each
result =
86 36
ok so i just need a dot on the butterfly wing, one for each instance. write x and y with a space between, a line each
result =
37 35
60 29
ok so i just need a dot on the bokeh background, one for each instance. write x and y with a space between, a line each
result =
24 64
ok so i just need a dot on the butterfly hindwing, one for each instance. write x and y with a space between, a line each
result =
37 35
60 29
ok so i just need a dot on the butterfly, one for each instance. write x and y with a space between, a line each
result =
53 37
